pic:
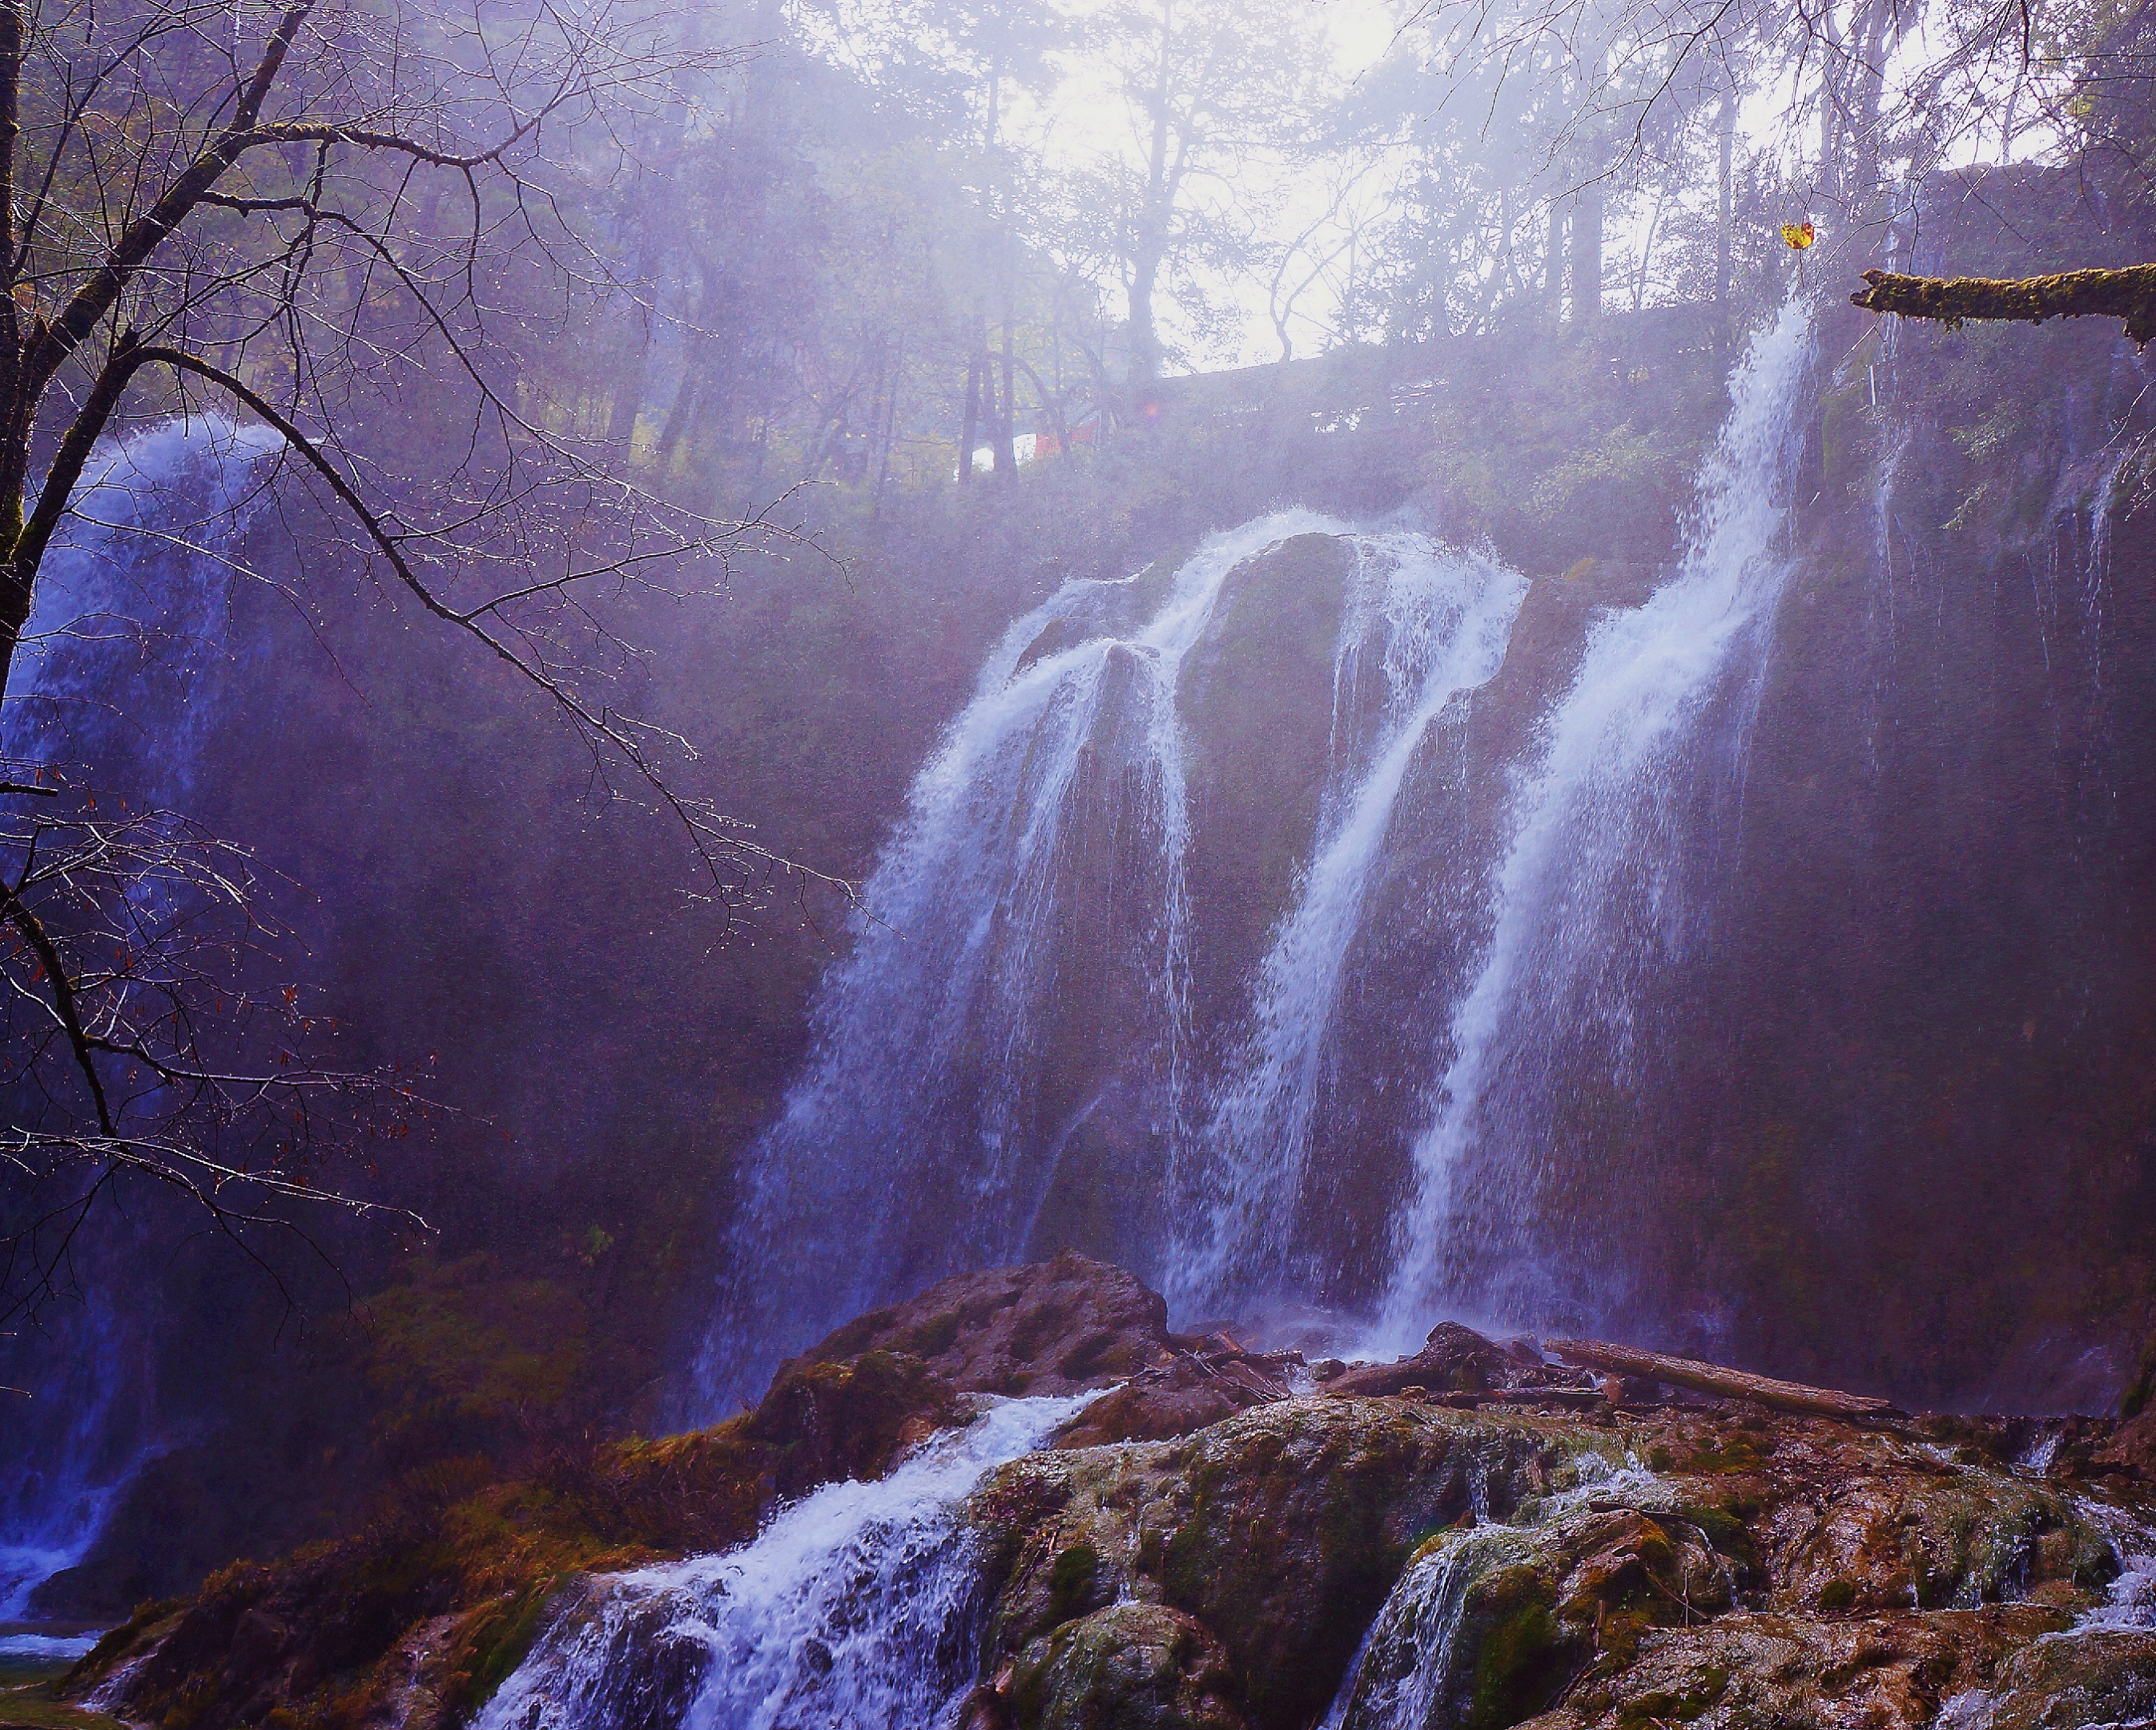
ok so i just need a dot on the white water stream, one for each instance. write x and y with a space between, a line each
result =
858 1605
1432 624
1591 890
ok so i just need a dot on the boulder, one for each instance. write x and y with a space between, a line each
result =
2131 1450
2092 1677
1131 1666
1762 1667
1054 1327
850 1419
1280 1530
1455 1360
1179 1398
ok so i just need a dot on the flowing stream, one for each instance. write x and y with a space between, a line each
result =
858 1606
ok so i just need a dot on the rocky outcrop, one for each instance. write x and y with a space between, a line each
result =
1466 1539
1197 1387
1055 1327
1454 1360
1718 1563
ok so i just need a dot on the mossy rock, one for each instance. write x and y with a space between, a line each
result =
1131 1666
1300 1519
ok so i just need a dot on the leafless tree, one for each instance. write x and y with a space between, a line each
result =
350 226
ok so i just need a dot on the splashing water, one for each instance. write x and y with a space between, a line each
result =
955 1048
1590 893
1437 622
858 1605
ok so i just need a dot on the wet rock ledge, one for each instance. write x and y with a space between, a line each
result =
1471 1538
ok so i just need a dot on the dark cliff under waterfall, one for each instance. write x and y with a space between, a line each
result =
1334 925
1343 906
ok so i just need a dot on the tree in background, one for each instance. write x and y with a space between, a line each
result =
1208 89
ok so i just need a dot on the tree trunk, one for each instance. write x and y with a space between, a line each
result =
1587 255
896 362
629 395
1875 22
1145 341
973 421
1007 427
677 417
1724 231
2130 294
1554 264
1713 1379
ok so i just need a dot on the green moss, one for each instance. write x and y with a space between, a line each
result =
1837 1595
499 1642
1726 1534
1675 1705
1514 1668
34 1708
1070 1581
934 1338
94 1665
2143 1388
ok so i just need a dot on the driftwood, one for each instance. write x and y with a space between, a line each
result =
2128 293
1714 1379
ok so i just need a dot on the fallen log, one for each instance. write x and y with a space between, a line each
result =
1714 1379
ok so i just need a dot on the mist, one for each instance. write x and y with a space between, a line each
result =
742 745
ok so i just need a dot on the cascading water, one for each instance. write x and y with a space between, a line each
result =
1592 894
123 645
1033 973
1035 992
859 1605
1436 623
127 626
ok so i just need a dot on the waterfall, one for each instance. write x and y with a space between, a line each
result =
859 1604
1408 1669
125 638
1591 895
127 623
1408 1674
83 1431
1436 622
1028 963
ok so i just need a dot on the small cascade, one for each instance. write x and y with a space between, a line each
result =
1028 972
1428 623
1409 1669
1592 894
1408 1674
2130 1600
859 1604
73 1445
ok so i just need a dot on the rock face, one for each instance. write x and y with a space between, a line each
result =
1467 1539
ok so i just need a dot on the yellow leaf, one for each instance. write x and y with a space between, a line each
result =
1799 235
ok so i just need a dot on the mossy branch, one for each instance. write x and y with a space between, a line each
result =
2128 293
